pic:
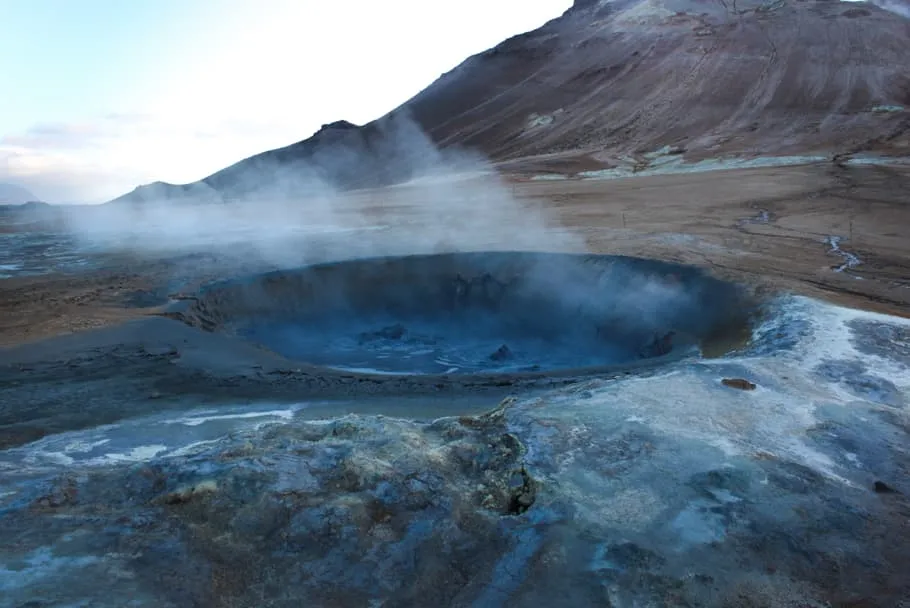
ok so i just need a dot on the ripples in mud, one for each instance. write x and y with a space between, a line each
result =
37 253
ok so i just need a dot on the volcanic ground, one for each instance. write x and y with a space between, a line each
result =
686 416
655 352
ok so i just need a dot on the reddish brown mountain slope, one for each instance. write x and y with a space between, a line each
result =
610 78
741 76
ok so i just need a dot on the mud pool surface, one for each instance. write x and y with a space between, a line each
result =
456 347
477 313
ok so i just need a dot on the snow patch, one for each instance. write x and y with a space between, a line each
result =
549 177
643 13
538 120
888 109
675 165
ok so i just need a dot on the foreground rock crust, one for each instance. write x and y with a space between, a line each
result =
666 491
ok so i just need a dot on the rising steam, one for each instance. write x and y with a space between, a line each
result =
286 214
898 7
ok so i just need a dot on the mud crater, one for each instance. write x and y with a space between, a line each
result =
479 313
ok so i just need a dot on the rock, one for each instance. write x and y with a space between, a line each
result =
185 494
243 450
339 125
738 383
660 346
503 353
522 492
882 488
65 493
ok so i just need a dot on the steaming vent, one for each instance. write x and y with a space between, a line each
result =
481 313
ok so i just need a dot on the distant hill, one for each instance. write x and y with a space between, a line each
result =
613 79
340 155
11 194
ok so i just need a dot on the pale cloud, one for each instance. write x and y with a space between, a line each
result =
99 160
64 176
54 136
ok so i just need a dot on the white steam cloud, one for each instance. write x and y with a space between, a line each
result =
288 214
899 7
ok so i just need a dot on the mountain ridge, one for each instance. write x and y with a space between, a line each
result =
607 79
12 194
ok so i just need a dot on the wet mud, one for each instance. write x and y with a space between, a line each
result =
482 313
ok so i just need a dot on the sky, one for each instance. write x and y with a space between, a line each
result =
100 96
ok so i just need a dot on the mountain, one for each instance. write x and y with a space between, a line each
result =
612 78
11 194
340 154
714 77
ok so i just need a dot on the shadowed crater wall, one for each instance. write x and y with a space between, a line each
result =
480 313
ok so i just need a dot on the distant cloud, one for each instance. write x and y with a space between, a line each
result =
63 178
129 117
98 160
